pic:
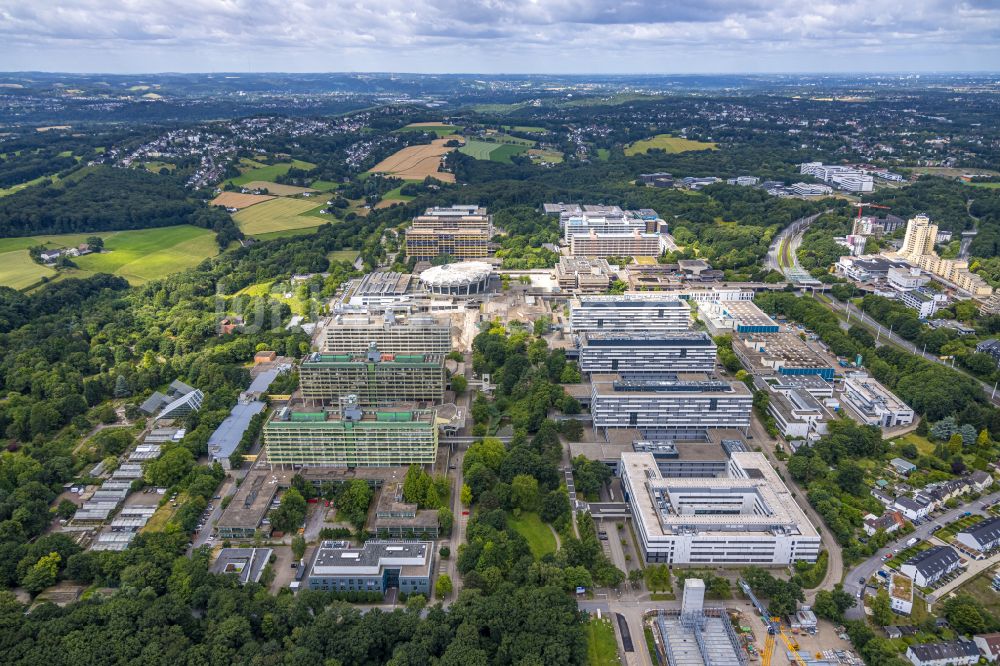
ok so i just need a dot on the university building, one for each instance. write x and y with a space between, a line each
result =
644 353
463 232
630 312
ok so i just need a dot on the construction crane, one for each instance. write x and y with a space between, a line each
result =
861 205
774 628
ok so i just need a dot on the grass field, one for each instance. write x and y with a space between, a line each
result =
343 255
19 271
156 166
545 156
524 128
158 521
277 188
4 191
539 536
603 154
267 172
487 150
981 589
991 186
239 200
438 128
278 215
324 185
149 254
602 646
667 143
924 445
287 233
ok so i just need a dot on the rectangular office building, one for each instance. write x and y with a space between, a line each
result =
392 334
630 312
377 379
375 567
631 244
351 437
746 517
463 232
874 403
639 352
682 407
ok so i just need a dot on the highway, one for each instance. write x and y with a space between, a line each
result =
868 568
781 256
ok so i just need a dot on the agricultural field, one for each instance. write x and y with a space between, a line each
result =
417 162
239 200
495 152
252 170
5 191
535 531
324 185
19 271
667 143
149 254
441 129
279 215
525 128
277 188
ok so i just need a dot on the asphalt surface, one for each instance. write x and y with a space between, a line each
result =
793 232
868 568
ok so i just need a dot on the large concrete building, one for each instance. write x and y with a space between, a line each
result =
392 334
847 178
626 244
351 437
746 517
918 249
630 312
735 316
678 406
638 352
375 567
784 353
874 403
583 275
376 378
463 232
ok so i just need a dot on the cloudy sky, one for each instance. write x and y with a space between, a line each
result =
524 36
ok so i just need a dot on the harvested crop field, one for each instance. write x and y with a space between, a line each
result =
668 144
417 162
277 188
279 215
238 200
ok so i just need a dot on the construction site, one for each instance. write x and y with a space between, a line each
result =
696 635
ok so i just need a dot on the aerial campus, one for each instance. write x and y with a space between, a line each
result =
364 369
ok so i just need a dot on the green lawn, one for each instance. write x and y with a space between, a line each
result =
987 185
4 191
395 195
324 185
602 646
288 233
268 172
981 589
924 445
19 271
440 130
524 128
343 255
953 528
149 254
670 144
603 154
281 214
488 150
539 536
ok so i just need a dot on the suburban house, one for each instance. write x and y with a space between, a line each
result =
911 508
882 497
983 536
981 480
929 566
957 653
901 594
890 521
989 646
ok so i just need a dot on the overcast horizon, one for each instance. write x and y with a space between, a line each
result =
555 37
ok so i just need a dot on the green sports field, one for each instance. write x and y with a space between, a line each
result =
280 214
667 143
267 172
149 254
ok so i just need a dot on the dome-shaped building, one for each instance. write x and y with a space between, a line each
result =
462 279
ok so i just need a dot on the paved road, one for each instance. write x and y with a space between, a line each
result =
227 488
835 563
868 568
793 233
857 317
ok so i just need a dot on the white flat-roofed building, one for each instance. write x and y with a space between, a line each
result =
682 406
746 517
374 567
392 334
638 352
633 243
798 414
735 316
901 593
847 178
874 403
630 312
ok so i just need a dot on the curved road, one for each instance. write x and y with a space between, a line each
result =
781 256
868 568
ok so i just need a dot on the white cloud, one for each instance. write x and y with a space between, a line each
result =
500 35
